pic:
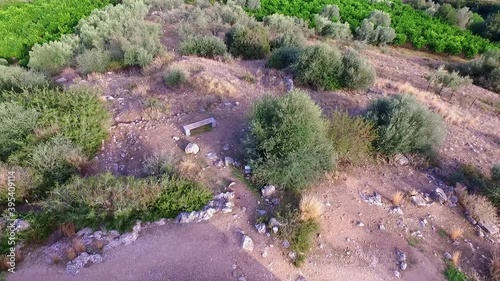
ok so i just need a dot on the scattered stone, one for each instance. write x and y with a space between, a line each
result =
480 233
220 203
286 244
447 256
300 278
403 265
275 201
192 148
128 238
275 229
261 228
113 234
422 222
231 184
288 84
225 147
381 227
264 253
84 232
397 274
83 260
137 227
454 200
242 278
400 255
274 222
374 199
439 196
418 200
21 225
247 243
228 161
490 227
219 164
401 159
360 224
292 255
261 212
247 170
61 80
470 219
175 138
396 211
268 190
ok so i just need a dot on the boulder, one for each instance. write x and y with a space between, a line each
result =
418 200
401 159
439 196
268 190
21 225
83 260
247 243
261 228
228 161
489 227
192 148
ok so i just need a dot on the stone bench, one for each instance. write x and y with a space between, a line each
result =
195 125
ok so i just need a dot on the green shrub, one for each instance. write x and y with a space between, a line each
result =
287 144
248 42
203 46
331 12
286 31
86 201
376 29
452 273
288 39
17 124
3 62
158 165
404 125
164 5
283 57
336 30
351 137
15 78
57 160
175 77
93 60
485 70
320 66
76 114
53 56
122 31
357 74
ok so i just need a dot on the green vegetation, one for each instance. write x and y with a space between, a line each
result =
203 46
453 273
415 27
175 77
376 29
477 182
283 57
287 144
352 138
38 22
357 74
15 78
248 42
485 70
116 34
286 31
404 125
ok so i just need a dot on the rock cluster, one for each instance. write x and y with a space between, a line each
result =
220 203
375 199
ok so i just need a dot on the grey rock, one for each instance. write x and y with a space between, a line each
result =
161 222
403 265
439 196
292 255
225 147
137 227
447 256
192 148
83 260
242 278
84 232
381 227
418 200
61 80
360 224
21 225
113 234
401 159
274 222
375 199
261 228
261 212
480 233
275 201
99 235
264 253
219 164
471 220
397 274
128 238
400 255
453 200
286 244
397 211
268 190
300 278
228 161
275 229
247 243
288 84
490 227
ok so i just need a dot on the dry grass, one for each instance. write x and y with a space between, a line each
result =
189 168
158 63
456 232
99 244
212 85
71 254
495 266
46 132
449 112
397 198
79 247
68 229
310 208
455 258
140 89
479 206
56 259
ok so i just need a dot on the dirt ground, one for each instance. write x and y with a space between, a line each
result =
148 118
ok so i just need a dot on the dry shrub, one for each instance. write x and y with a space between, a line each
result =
310 207
479 206
68 229
449 112
397 198
46 132
212 85
413 192
189 168
71 254
456 232
495 266
79 247
140 89
56 259
158 63
98 244
455 258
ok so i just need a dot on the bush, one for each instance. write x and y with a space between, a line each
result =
76 114
164 5
286 31
320 66
376 35
331 12
248 42
485 70
283 57
122 31
336 30
175 77
287 144
93 60
87 201
351 137
26 181
452 273
203 46
53 56
17 124
16 78
357 73
404 125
